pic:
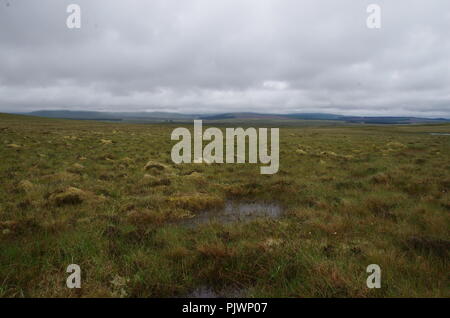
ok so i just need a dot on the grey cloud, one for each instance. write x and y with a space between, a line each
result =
218 56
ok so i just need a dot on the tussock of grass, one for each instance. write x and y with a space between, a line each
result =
72 196
26 186
155 166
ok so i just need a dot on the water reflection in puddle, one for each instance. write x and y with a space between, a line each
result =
440 134
237 212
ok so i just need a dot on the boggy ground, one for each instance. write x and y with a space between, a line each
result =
108 198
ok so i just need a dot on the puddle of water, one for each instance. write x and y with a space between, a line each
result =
237 212
440 134
208 292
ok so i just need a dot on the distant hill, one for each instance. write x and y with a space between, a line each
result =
315 116
391 120
119 116
242 116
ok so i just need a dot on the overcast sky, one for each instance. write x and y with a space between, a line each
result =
217 56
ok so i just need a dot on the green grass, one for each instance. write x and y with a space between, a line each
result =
77 192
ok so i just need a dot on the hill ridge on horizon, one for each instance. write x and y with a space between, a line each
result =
176 116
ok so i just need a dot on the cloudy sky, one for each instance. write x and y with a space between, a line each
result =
227 55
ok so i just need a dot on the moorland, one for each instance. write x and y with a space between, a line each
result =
108 197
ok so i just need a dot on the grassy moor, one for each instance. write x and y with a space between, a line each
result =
108 197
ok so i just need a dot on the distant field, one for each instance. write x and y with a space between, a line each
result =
106 196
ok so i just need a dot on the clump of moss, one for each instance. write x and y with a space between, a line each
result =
25 185
106 141
72 196
154 167
196 177
395 144
329 154
142 217
381 178
154 181
76 168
